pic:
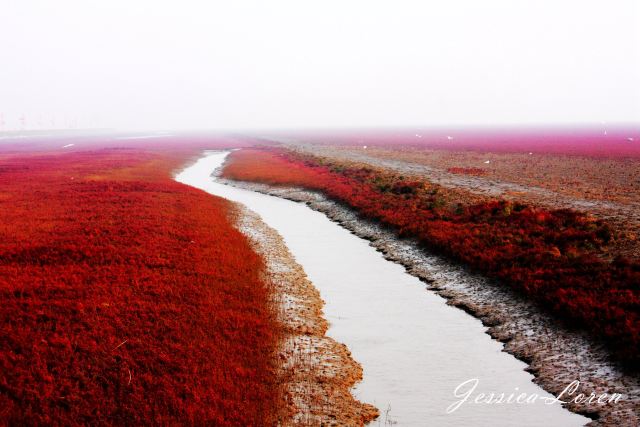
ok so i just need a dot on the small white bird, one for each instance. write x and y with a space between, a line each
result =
364 146
530 153
487 162
68 145
449 137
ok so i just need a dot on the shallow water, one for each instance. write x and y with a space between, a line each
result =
414 349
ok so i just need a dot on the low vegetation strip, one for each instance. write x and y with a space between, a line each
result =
128 298
555 257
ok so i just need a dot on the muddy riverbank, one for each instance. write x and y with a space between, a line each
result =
317 371
555 356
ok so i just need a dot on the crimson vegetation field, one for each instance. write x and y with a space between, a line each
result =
128 298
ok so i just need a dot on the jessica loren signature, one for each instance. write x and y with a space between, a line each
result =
466 392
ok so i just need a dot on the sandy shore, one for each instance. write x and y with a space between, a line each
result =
317 372
555 355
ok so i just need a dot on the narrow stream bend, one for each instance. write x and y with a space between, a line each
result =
414 349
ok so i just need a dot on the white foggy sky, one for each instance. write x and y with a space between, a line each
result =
268 64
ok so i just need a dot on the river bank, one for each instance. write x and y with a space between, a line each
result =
555 356
317 371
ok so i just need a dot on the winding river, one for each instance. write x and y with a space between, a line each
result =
415 350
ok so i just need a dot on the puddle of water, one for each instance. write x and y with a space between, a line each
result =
414 349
